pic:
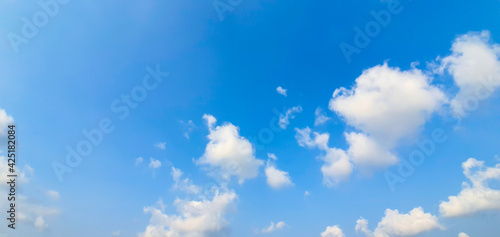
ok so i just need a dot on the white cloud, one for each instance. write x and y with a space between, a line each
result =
385 106
367 153
138 161
194 218
320 117
306 193
281 91
290 114
276 178
333 231
396 224
34 213
475 67
40 223
462 234
272 156
362 226
54 195
116 233
5 120
184 185
154 164
161 145
24 174
387 103
274 227
228 152
337 166
188 126
475 198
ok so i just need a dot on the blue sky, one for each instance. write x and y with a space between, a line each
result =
254 164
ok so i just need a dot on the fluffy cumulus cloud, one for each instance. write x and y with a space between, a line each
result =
385 106
193 219
367 152
290 114
396 224
274 227
475 196
276 178
228 152
5 120
387 103
474 65
462 234
333 231
337 166
184 185
281 90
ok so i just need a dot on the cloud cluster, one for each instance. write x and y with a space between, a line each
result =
474 65
387 105
193 219
396 224
228 152
475 198
336 167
